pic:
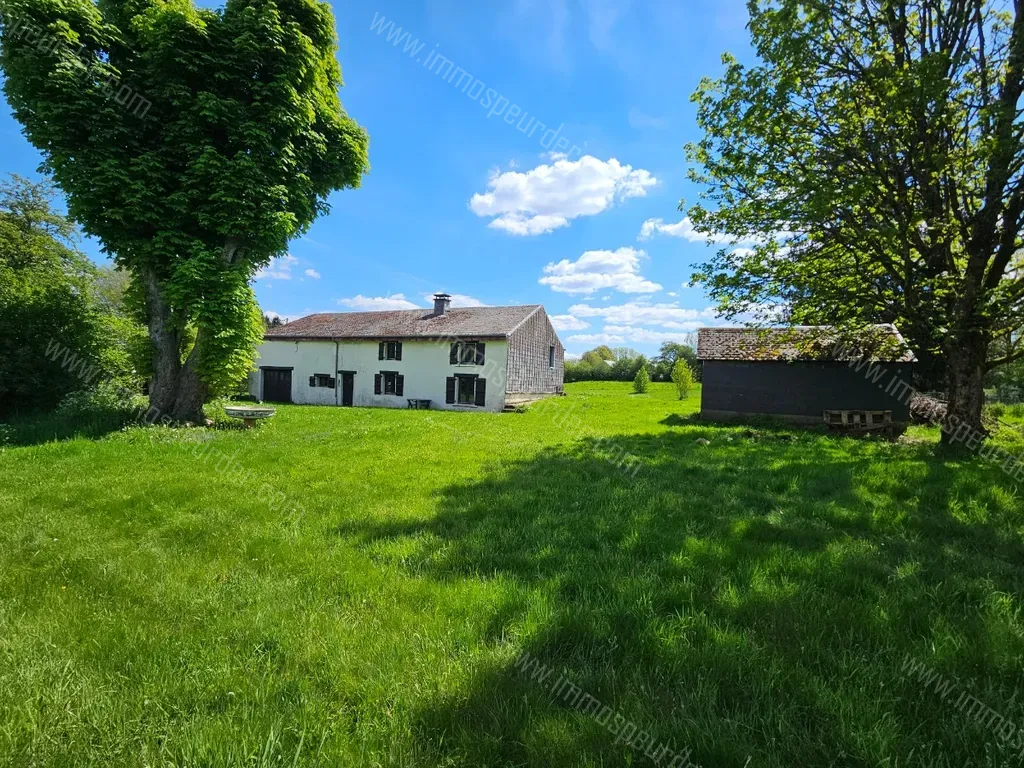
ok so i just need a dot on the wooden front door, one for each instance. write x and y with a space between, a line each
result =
277 385
347 385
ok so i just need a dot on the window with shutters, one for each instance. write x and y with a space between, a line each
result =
467 353
389 350
463 389
321 380
389 383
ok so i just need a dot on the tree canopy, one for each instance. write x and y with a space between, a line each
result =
869 167
194 144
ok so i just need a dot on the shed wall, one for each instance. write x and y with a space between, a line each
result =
801 388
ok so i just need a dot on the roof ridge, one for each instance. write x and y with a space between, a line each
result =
418 322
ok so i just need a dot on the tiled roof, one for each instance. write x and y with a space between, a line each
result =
803 342
472 322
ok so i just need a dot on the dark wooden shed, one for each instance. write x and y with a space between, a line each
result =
797 374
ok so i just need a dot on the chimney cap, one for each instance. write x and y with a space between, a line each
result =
441 303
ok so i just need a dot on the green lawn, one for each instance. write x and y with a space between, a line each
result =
758 598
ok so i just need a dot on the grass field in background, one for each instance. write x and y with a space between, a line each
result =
354 586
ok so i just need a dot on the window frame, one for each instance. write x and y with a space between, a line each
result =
468 352
380 386
551 357
459 381
464 348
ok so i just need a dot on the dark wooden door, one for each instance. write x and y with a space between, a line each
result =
277 385
347 385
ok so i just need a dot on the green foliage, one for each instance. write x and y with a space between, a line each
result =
105 398
45 305
682 377
882 160
124 354
61 327
671 352
604 364
221 141
642 380
995 410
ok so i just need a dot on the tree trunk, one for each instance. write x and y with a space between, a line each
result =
176 393
192 391
965 375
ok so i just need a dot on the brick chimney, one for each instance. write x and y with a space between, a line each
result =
442 303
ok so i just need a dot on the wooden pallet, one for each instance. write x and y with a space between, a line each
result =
860 421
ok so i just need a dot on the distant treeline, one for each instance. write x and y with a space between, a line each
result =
622 363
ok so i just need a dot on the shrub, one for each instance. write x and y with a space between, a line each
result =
995 410
682 375
1017 410
642 380
102 400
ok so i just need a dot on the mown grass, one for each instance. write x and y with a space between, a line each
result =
755 599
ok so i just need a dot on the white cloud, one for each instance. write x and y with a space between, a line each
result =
458 300
683 229
595 338
597 270
313 274
673 294
279 268
568 323
572 356
641 313
550 196
618 334
367 304
630 323
638 334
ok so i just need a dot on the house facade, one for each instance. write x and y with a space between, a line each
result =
483 358
797 374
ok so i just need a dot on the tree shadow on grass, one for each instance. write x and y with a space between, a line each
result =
739 600
46 427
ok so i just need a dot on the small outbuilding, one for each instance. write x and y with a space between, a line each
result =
805 374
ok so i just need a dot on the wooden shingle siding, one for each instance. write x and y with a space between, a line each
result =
529 348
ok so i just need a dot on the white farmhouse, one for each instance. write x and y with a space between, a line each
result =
485 358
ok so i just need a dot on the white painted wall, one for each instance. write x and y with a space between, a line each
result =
424 365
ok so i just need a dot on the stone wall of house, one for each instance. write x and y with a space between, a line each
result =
529 357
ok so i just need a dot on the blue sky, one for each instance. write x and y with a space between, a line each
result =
580 217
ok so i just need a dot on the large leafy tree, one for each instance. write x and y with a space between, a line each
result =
870 167
194 144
